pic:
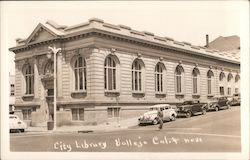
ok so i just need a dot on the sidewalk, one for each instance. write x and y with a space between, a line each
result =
114 126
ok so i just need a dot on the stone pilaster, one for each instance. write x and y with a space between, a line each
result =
36 78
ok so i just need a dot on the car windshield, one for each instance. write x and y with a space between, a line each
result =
154 109
188 102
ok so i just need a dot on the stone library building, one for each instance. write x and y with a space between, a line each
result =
104 72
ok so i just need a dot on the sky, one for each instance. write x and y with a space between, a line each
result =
186 21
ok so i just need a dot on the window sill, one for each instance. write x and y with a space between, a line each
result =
138 94
196 95
78 94
160 95
28 97
210 95
112 93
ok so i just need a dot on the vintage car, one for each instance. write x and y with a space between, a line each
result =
191 107
235 101
218 103
150 117
16 124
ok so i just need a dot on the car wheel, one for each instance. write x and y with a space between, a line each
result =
173 118
216 109
188 114
204 111
155 121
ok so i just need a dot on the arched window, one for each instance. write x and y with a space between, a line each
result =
237 78
237 85
159 84
196 79
137 74
179 79
110 75
80 74
210 76
221 78
29 79
49 68
229 77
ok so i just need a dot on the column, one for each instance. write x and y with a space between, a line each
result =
59 74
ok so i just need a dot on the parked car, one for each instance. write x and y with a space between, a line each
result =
218 103
191 107
235 100
15 123
150 117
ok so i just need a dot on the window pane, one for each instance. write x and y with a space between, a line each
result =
85 79
24 114
209 86
178 82
26 84
195 84
136 81
116 112
30 82
110 113
29 114
105 78
81 114
136 65
109 79
76 79
80 62
113 65
80 79
132 80
114 79
109 61
76 64
221 90
139 81
74 114
158 82
161 83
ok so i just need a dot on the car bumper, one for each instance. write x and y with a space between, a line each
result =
181 113
145 121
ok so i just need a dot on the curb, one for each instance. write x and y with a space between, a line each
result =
85 131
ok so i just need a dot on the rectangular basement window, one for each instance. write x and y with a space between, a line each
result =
77 114
113 112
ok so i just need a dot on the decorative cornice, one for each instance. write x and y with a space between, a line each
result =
126 38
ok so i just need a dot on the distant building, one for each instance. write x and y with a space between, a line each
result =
106 71
229 46
230 43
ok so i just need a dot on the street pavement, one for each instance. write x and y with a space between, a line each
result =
213 132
